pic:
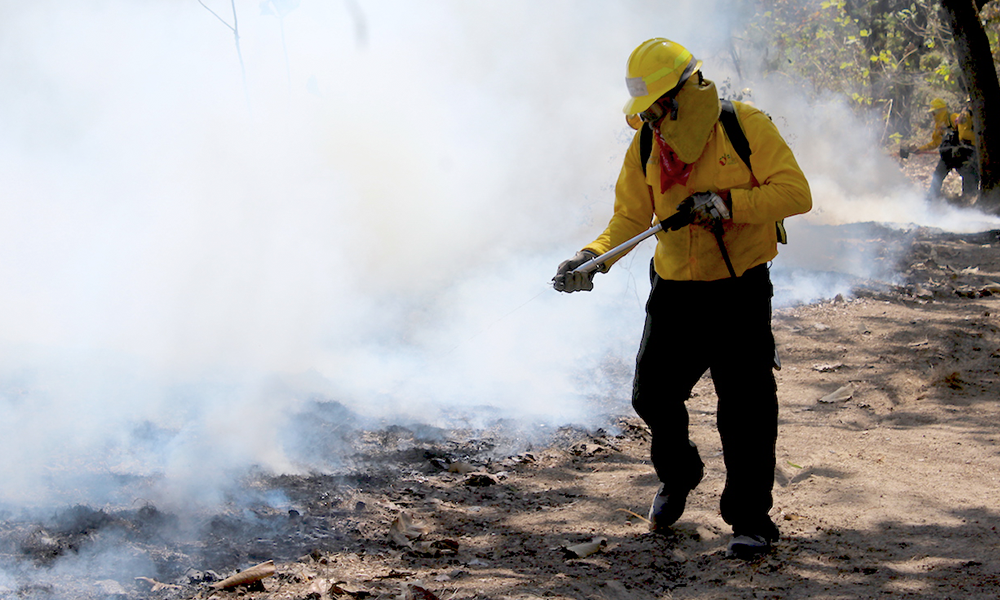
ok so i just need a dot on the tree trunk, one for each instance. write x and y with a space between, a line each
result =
976 60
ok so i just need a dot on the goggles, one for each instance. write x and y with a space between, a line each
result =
659 109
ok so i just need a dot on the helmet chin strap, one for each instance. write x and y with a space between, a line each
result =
672 106
671 103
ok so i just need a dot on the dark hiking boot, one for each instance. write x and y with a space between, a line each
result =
746 547
666 509
668 504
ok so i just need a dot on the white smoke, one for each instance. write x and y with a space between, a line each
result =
853 181
189 263
191 267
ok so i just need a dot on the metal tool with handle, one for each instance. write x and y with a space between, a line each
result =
674 222
708 207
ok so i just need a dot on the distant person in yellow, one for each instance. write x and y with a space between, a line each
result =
954 139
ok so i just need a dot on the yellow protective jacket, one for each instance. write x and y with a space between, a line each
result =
776 189
943 121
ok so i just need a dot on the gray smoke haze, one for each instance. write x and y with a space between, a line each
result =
190 271
852 181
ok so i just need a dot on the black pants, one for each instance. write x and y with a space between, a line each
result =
724 326
963 159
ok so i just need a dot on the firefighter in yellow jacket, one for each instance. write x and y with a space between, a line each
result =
955 141
710 303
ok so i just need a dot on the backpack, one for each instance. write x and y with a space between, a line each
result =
734 131
955 151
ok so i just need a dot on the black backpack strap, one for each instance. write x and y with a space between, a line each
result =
734 131
645 145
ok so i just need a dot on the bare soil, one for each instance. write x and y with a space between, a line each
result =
888 482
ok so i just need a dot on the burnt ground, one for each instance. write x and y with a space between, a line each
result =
887 485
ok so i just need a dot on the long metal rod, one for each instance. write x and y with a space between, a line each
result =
595 263
673 222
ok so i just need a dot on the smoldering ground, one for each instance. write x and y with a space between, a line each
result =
190 221
224 260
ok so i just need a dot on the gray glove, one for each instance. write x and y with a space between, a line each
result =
567 281
704 208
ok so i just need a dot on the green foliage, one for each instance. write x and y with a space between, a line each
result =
847 48
990 16
888 56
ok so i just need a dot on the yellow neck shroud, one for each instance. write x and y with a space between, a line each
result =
698 112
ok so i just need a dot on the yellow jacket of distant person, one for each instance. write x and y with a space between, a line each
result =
943 121
777 189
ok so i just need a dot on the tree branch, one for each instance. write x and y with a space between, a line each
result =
217 16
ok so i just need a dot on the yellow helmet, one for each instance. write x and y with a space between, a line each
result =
937 104
656 67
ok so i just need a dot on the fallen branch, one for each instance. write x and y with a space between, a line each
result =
625 510
255 573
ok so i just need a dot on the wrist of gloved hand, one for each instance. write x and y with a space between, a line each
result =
568 280
705 208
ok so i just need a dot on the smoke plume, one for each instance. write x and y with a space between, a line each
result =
214 254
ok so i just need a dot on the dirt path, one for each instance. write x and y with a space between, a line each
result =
888 484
